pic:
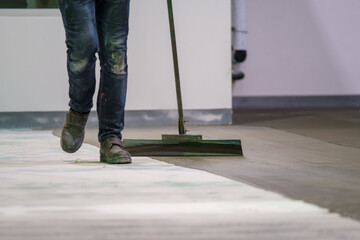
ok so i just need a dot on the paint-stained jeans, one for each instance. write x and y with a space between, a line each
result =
97 26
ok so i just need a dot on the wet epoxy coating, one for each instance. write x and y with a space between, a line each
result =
48 194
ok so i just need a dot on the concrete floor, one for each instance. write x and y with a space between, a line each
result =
299 179
48 194
309 155
338 126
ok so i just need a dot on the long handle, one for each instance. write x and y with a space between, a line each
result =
181 122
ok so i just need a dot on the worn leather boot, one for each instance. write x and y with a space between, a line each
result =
72 135
112 151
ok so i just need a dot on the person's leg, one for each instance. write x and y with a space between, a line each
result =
82 44
112 20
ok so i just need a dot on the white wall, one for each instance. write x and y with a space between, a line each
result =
305 47
33 62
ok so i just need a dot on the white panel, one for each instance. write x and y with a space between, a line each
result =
33 58
32 61
301 48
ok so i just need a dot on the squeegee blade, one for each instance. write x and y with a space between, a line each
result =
140 147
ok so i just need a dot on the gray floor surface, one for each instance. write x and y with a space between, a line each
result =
299 179
309 155
48 194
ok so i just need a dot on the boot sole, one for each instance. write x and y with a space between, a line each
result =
110 160
69 150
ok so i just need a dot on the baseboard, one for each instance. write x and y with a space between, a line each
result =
132 118
296 102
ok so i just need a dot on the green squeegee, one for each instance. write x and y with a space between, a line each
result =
181 144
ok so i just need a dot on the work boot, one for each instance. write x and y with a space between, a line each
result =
72 135
112 151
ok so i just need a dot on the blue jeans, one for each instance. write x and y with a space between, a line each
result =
97 26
